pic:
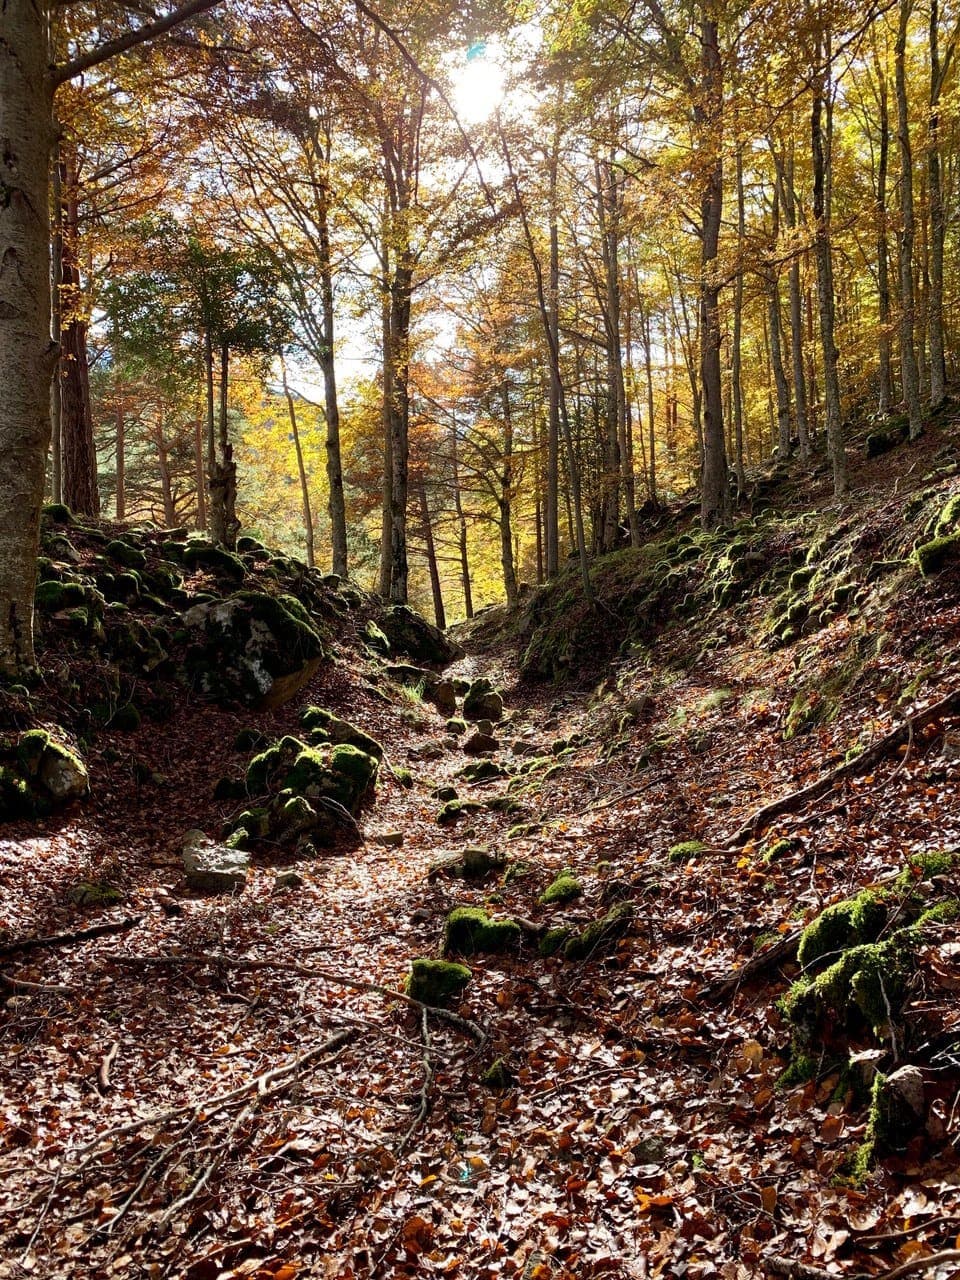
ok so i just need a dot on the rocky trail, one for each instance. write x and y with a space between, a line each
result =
239 1084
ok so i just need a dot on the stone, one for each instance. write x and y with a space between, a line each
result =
286 880
388 839
482 702
250 648
479 744
213 868
409 633
444 697
469 930
63 774
435 982
324 726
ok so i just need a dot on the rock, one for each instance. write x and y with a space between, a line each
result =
474 863
469 931
456 726
479 744
93 893
482 702
454 810
324 726
435 982
125 553
204 555
480 771
484 726
429 751
602 936
212 867
444 697
563 889
287 880
251 648
63 774
374 637
409 633
388 839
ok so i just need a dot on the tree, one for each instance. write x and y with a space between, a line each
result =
28 354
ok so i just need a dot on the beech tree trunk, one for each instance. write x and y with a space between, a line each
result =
439 614
821 143
552 318
909 369
885 398
27 354
736 360
79 459
715 490
938 368
505 505
301 468
461 528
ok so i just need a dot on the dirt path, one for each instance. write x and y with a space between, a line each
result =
634 1129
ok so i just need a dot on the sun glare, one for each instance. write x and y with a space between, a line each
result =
478 85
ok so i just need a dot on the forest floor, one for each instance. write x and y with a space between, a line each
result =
237 1089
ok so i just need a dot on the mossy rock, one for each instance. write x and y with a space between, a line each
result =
57 513
563 889
685 850
54 597
473 863
948 518
246 542
404 778
600 937
125 553
454 810
470 931
940 553
324 726
94 893
924 866
844 925
437 982
203 555
249 740
375 639
482 702
498 1076
481 771
456 726
445 793
554 940
344 775
866 984
126 718
409 633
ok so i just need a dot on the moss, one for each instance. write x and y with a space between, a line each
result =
506 804
924 866
238 839
325 726
57 513
480 771
296 815
201 555
455 725
498 1075
774 850
255 820
470 930
845 924
344 776
375 638
866 984
298 637
454 810
30 748
435 982
404 777
482 702
685 850
555 939
600 937
90 893
248 740
949 516
802 1069
126 718
52 597
524 829
445 793
125 553
564 888
933 556
262 768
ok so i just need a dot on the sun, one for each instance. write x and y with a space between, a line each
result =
478 84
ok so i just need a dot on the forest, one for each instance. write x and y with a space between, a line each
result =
479 616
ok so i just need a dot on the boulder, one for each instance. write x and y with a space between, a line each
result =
250 648
63 774
324 726
479 744
409 633
435 982
482 702
212 867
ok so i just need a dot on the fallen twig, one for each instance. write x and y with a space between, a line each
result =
106 1062
424 1106
804 1271
217 959
779 953
67 939
21 984
795 800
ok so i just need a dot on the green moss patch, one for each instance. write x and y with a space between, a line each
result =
469 931
324 726
844 925
600 937
564 888
436 982
685 851
938 554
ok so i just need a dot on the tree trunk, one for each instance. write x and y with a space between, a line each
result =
909 370
552 318
885 399
608 213
399 413
715 490
76 416
775 341
27 353
163 466
121 444
736 369
439 614
387 389
56 268
821 147
938 370
788 200
199 474
505 505
301 469
461 528
335 501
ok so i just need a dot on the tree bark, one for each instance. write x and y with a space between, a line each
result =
938 370
505 505
461 527
736 361
439 613
608 213
79 459
27 353
301 468
552 318
821 144
909 369
715 490
788 200
885 399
